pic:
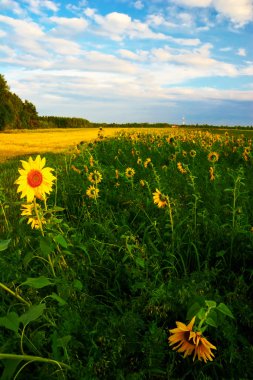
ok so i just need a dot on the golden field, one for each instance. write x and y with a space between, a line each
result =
13 144
22 142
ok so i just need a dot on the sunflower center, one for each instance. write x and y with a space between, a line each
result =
34 178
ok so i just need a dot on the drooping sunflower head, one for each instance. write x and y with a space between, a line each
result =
95 177
130 172
160 199
188 342
35 180
92 192
213 156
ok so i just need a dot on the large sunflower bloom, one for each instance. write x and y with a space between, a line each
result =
181 335
35 180
160 199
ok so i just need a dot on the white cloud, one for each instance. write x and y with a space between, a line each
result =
66 25
118 26
241 52
11 5
239 12
138 4
37 6
194 3
227 48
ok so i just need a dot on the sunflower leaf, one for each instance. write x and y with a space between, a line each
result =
225 310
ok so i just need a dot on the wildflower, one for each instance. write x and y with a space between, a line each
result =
184 153
181 168
116 173
160 199
130 172
86 169
213 156
193 153
75 169
181 335
34 219
188 341
139 161
173 157
147 162
92 192
142 182
202 348
95 177
211 173
35 180
91 161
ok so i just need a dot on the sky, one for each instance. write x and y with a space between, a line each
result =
124 61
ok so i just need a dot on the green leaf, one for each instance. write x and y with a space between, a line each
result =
141 262
57 298
33 313
77 285
210 322
193 310
46 246
59 239
37 282
10 321
10 367
4 244
201 313
210 304
225 310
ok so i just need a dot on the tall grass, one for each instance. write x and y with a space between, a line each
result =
124 269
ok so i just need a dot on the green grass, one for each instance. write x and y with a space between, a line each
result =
100 288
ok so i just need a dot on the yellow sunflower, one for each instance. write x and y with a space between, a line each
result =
213 156
92 192
147 162
33 219
188 341
180 336
193 153
160 199
202 348
95 177
130 172
35 180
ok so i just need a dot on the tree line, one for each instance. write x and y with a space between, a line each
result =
18 114
14 113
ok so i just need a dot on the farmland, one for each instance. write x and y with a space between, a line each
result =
140 230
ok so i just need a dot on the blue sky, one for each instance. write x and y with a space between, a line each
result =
131 60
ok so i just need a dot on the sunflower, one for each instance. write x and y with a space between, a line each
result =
180 336
35 180
193 153
211 173
130 172
147 162
202 348
181 168
95 177
160 199
35 220
92 192
188 341
213 156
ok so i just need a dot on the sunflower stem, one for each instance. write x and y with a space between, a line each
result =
14 294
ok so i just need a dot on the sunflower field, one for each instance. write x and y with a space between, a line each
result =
129 257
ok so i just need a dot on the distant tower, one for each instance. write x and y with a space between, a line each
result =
183 120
